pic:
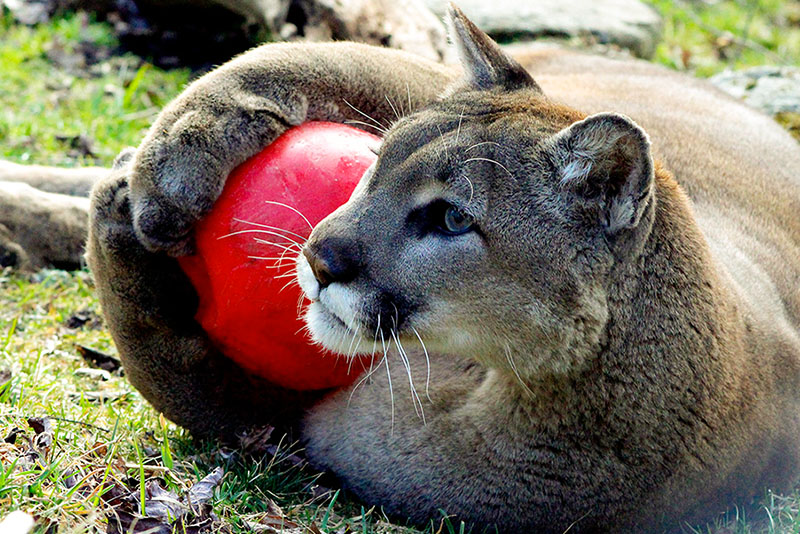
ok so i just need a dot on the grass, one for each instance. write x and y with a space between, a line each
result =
68 97
708 36
61 81
104 434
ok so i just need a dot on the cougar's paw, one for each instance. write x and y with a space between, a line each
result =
11 254
162 226
173 185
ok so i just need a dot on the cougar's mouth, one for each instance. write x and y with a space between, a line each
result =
332 316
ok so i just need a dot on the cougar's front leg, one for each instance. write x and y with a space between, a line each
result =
231 113
144 211
149 305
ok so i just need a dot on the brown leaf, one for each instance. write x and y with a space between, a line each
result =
40 424
81 318
124 522
44 432
164 510
115 494
99 449
80 145
203 491
256 441
163 504
99 359
11 437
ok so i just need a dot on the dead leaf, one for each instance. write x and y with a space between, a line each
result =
11 437
80 145
256 441
81 318
99 396
44 432
165 511
99 359
129 523
163 504
99 450
203 491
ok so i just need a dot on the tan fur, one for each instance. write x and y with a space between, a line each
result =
42 224
615 351
40 229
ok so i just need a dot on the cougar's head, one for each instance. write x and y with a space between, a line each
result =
487 227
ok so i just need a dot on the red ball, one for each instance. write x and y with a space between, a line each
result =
247 245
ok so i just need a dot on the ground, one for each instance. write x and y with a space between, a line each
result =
81 451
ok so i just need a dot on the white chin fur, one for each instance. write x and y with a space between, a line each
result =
333 314
305 277
332 333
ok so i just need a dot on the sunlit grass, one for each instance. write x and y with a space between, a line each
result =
706 37
51 88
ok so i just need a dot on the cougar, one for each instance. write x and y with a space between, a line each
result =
580 291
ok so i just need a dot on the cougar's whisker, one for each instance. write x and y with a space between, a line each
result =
460 118
290 283
276 228
259 231
396 114
415 400
278 245
372 370
381 127
428 364
351 350
291 273
276 203
444 143
513 365
483 143
389 377
471 188
368 125
375 338
277 261
490 161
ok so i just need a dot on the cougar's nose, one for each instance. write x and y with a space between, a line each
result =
332 260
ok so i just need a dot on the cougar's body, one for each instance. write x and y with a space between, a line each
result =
688 400
603 265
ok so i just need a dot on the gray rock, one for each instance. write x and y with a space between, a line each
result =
771 89
407 25
627 23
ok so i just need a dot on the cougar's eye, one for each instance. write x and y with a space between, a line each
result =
455 221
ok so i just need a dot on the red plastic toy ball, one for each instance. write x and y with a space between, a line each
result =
247 245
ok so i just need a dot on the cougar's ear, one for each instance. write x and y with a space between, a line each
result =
485 64
605 159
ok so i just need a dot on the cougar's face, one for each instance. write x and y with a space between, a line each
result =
453 237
